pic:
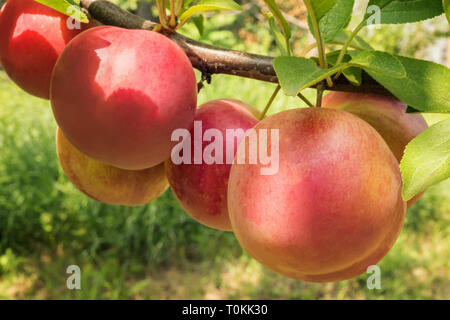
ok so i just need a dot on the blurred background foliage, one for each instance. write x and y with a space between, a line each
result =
157 251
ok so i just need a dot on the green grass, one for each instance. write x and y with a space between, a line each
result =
157 251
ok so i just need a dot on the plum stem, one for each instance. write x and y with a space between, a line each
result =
320 89
269 103
305 100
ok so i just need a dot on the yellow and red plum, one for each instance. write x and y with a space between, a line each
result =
119 94
201 189
333 208
387 115
106 183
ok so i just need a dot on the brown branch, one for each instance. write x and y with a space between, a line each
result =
210 59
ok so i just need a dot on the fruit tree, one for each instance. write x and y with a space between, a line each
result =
317 194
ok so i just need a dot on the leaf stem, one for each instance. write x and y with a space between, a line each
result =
311 46
269 103
319 39
181 23
347 44
288 46
307 49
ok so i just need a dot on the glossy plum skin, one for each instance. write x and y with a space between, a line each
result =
135 87
106 183
201 189
1 10
333 208
31 39
387 115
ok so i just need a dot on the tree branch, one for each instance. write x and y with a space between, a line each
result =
210 59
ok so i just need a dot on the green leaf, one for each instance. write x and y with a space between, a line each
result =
67 7
446 6
353 75
426 86
379 62
296 73
186 4
279 38
406 11
199 23
426 160
279 17
379 3
410 109
209 5
357 42
321 7
335 19
333 56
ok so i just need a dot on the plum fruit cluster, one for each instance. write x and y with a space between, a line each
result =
332 208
